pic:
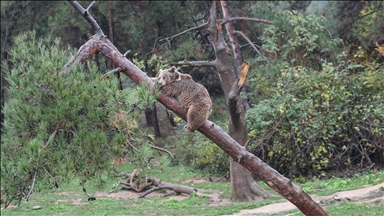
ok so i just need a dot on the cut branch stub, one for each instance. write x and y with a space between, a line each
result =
243 73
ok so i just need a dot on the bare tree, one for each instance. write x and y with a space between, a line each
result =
100 44
243 185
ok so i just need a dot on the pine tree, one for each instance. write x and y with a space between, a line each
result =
60 127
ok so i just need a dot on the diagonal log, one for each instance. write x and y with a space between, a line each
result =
282 185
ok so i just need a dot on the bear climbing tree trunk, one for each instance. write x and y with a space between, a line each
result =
100 44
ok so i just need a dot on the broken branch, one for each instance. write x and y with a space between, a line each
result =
223 21
87 16
161 149
56 183
243 74
157 183
165 185
186 63
33 185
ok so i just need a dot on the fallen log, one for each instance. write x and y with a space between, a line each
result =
154 183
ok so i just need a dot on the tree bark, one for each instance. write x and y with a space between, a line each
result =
243 186
99 43
148 116
235 44
155 121
237 54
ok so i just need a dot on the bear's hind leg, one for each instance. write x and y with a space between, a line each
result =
195 118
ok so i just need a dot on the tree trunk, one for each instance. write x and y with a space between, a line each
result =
110 65
237 54
282 185
155 121
243 185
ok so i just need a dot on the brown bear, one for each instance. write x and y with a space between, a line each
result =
191 95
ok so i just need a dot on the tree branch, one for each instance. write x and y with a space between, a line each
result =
50 139
32 187
250 42
168 39
161 149
87 16
56 183
111 72
223 21
186 63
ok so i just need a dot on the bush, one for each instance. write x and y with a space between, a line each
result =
299 40
323 120
195 150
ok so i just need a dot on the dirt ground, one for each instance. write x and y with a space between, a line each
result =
367 195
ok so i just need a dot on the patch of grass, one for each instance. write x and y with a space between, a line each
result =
350 209
61 201
332 185
354 209
193 205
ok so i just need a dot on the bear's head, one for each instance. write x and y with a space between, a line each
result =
168 75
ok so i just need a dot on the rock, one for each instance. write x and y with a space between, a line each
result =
36 207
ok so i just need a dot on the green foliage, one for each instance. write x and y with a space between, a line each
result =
294 40
320 120
360 25
314 109
57 127
299 39
156 62
146 96
195 150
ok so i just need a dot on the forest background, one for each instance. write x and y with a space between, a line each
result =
315 86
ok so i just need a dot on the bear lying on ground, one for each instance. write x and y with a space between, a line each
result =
191 95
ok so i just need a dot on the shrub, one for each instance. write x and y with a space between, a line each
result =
322 120
195 150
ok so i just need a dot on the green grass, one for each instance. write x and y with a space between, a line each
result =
332 185
351 209
60 201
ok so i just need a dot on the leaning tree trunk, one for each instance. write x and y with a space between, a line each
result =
100 44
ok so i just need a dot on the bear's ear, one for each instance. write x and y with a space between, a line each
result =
176 77
173 69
